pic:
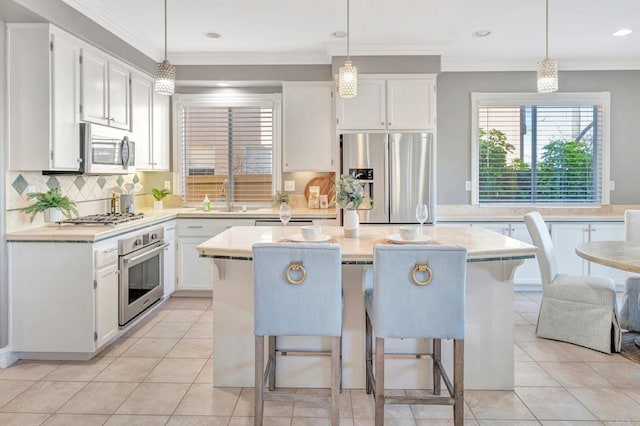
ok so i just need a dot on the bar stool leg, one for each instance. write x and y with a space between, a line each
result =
379 392
437 374
369 352
272 358
335 380
259 380
458 382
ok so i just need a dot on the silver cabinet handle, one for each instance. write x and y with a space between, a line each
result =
195 226
389 124
382 123
112 249
170 229
112 119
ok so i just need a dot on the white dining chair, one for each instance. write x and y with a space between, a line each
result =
630 309
578 309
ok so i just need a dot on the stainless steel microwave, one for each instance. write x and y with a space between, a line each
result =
107 150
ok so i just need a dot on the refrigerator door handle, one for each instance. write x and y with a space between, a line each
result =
387 178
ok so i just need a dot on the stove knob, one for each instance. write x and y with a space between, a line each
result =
137 242
154 236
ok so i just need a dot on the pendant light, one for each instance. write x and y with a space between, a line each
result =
547 68
348 74
166 73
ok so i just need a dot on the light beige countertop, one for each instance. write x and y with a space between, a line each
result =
467 213
482 244
88 234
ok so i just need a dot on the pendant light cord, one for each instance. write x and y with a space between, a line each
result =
165 30
547 31
349 32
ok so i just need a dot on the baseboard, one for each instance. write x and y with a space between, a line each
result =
527 287
7 357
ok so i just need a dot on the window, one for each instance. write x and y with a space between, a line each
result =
540 149
227 147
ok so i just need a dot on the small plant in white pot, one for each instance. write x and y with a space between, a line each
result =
159 195
52 204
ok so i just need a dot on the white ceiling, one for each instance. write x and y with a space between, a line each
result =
299 31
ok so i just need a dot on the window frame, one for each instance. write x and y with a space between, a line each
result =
273 100
482 99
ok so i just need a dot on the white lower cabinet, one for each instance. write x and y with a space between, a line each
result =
607 232
169 259
566 236
106 296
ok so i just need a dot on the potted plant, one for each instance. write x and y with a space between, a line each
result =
159 195
280 198
53 204
349 196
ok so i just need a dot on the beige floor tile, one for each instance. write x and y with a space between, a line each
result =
156 316
21 419
608 404
206 374
127 370
518 319
530 317
497 405
546 350
206 400
278 409
535 296
361 404
440 412
620 423
150 348
79 371
99 398
176 370
9 389
245 405
572 423
585 354
128 420
345 404
266 421
519 355
320 408
118 347
623 375
309 421
206 317
192 348
200 330
526 306
575 374
180 315
524 333
553 404
140 329
199 421
29 370
532 374
508 422
397 411
174 303
200 303
154 398
168 330
76 419
43 397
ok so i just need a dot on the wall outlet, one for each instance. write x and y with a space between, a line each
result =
612 185
289 185
31 189
167 185
467 185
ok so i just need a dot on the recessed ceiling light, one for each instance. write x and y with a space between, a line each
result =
339 34
213 35
222 84
622 32
481 33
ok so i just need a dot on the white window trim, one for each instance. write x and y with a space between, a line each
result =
240 99
479 99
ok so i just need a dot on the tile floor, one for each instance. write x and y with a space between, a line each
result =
160 374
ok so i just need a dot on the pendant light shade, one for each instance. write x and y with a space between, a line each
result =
348 73
165 73
547 68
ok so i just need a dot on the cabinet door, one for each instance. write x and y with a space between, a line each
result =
65 80
106 294
500 228
607 232
308 130
566 236
119 115
528 272
94 87
141 104
160 148
410 104
169 261
367 110
193 271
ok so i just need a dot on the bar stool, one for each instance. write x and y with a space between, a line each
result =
418 292
298 292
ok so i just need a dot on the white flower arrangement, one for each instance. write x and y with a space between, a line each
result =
349 192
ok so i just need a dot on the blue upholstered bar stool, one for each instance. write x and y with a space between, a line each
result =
418 292
298 292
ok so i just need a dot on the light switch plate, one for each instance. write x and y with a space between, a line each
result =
289 185
612 185
167 185
467 185
31 189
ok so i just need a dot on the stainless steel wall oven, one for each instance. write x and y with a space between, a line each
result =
141 261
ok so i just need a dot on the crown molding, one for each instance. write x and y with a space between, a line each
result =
362 49
248 58
455 65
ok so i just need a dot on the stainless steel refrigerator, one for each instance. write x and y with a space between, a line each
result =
397 171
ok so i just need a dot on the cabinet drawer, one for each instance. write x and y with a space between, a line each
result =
106 255
197 228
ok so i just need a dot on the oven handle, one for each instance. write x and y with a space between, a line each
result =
145 254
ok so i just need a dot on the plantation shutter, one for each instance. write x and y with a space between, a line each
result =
540 154
227 152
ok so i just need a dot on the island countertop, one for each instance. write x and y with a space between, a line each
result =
482 244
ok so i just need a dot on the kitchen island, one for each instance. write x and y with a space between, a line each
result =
492 259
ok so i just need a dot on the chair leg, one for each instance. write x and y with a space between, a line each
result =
259 380
335 380
458 382
272 358
437 353
379 392
368 352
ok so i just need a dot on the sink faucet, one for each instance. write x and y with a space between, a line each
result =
224 192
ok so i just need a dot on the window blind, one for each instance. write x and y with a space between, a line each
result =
540 154
227 152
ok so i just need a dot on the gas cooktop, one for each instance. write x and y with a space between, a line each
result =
107 219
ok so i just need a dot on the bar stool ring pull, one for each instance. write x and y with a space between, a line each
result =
297 267
422 267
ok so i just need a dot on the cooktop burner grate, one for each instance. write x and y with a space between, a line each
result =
107 219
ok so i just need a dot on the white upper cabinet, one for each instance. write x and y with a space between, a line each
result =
160 134
308 133
141 120
105 90
43 86
389 104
